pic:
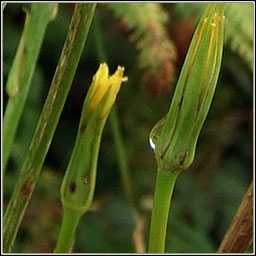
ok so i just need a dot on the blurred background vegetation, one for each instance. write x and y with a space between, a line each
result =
150 40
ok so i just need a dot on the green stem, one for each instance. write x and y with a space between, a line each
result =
121 155
48 121
22 70
69 224
165 182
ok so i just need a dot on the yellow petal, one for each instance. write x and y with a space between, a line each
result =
103 84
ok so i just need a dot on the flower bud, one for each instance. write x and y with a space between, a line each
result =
78 185
175 145
104 84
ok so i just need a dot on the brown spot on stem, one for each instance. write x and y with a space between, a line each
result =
83 127
72 186
25 51
87 179
27 188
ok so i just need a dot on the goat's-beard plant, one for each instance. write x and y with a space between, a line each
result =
78 184
174 138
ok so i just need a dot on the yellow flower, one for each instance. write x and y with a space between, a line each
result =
104 84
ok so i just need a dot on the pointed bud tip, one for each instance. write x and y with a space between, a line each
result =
106 84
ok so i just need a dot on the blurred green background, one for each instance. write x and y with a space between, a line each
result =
150 40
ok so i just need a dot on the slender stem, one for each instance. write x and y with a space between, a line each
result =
240 232
69 224
165 182
121 155
22 70
99 39
48 121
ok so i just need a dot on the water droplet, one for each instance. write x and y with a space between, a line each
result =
152 145
155 132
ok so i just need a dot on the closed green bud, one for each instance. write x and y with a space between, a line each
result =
175 137
78 185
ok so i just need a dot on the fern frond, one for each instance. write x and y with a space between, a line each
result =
157 53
